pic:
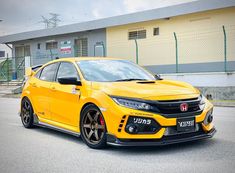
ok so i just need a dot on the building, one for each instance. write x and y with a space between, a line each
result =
2 53
193 37
6 50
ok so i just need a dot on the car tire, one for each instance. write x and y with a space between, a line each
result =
27 113
93 127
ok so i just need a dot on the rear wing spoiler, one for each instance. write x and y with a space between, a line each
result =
31 70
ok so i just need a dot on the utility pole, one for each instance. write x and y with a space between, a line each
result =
225 49
54 20
51 22
45 21
136 52
176 53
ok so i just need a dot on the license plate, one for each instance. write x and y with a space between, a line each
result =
186 124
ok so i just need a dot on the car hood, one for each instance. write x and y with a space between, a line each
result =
158 90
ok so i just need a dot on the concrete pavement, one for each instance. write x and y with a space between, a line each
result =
44 150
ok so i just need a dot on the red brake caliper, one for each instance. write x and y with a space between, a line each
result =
101 121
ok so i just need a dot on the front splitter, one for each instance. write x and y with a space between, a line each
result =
166 140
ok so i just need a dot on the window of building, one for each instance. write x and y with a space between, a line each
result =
51 45
139 34
39 45
67 69
48 72
155 31
22 51
81 47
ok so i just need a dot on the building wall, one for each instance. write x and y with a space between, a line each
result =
216 85
6 49
40 56
200 42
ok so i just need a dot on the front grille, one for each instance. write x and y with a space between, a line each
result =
171 109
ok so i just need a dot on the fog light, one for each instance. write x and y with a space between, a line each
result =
209 117
131 128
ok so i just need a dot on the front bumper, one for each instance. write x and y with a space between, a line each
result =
165 140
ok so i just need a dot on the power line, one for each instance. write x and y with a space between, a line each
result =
54 20
51 22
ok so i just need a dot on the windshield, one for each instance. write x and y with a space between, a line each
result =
112 70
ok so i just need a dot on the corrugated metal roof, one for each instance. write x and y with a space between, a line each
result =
154 14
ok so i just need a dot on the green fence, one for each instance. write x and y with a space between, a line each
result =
5 69
12 69
207 49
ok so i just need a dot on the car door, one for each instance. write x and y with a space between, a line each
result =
41 94
65 98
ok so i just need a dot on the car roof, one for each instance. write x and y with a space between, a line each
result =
73 59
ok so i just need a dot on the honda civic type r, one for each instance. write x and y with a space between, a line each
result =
115 102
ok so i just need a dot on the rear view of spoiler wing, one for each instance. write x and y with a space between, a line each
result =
31 70
36 67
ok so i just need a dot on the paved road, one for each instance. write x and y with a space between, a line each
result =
44 150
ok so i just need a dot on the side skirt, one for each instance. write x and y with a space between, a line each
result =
42 124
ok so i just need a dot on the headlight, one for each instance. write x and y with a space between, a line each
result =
132 104
202 102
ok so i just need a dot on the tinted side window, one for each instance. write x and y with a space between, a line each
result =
67 69
48 72
37 75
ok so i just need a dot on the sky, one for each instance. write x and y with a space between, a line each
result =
25 15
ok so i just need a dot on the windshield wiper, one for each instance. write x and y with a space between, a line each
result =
131 79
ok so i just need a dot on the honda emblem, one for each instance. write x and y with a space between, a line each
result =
184 107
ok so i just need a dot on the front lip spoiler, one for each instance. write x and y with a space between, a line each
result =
112 140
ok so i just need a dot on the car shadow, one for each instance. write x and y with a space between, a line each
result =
214 148
199 144
58 134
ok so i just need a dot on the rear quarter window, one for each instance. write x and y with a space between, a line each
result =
37 75
48 72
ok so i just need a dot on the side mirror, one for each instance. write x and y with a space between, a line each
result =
158 77
69 81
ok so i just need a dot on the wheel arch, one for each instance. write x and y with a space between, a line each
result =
83 107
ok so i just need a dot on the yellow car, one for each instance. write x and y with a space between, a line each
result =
114 101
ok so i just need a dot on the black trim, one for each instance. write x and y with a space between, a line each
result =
166 140
169 108
79 78
187 114
53 80
36 67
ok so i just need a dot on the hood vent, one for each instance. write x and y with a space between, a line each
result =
145 82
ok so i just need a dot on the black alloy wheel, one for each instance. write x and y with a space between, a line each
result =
93 129
26 113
